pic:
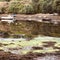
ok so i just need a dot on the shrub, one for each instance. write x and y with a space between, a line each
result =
35 5
13 7
31 6
17 7
6 35
2 9
5 0
28 9
56 6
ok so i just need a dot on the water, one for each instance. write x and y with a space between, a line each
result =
12 39
46 38
42 38
36 38
51 57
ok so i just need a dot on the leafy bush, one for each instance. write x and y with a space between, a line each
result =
5 0
35 5
6 35
13 7
2 9
56 6
28 9
17 7
32 6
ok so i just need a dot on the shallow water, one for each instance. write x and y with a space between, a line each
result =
12 39
46 38
51 57
36 38
29 46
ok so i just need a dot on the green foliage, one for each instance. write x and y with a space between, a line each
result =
56 6
17 7
5 0
6 35
35 5
13 7
28 9
32 6
2 9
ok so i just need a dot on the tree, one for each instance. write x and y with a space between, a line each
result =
2 10
29 9
46 6
13 7
56 6
5 0
35 4
6 35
